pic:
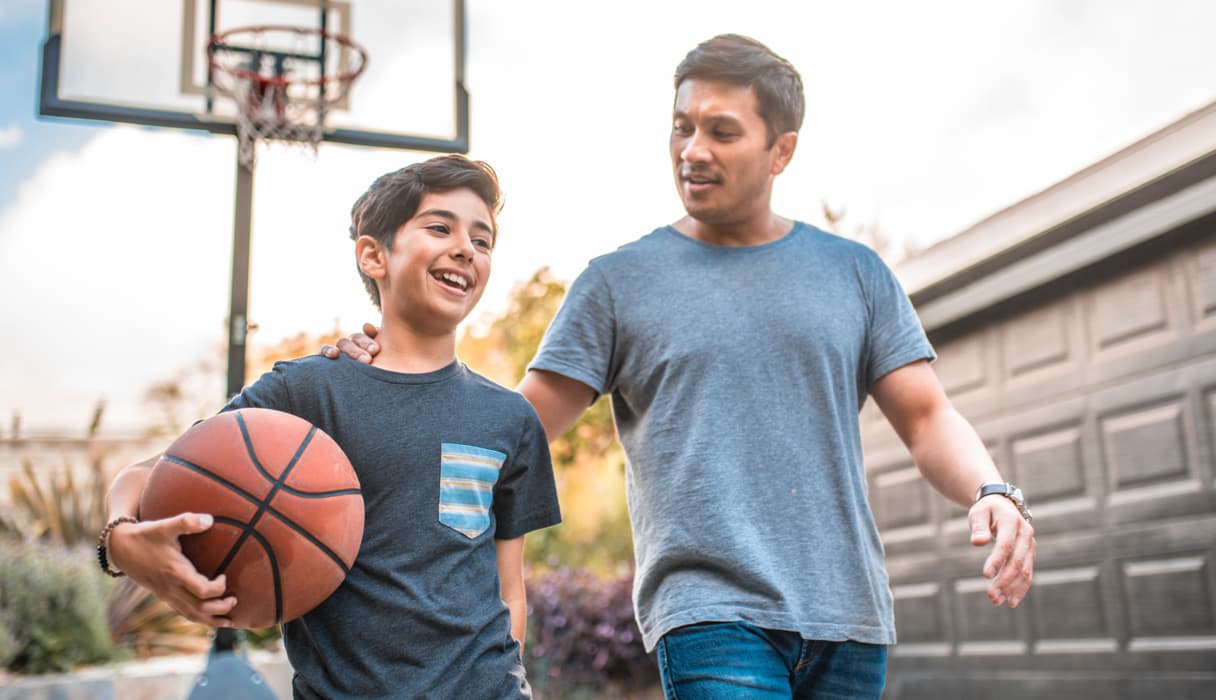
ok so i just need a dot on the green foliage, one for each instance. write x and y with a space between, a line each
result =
52 609
145 625
58 509
64 509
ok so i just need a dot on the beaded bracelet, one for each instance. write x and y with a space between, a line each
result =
102 559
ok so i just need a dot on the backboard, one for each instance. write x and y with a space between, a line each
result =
146 62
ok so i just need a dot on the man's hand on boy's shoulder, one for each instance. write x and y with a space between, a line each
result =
359 346
150 554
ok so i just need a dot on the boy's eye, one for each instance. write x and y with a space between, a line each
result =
483 243
681 128
438 228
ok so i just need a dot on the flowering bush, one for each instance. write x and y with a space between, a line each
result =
582 634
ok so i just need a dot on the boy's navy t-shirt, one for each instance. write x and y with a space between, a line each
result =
448 461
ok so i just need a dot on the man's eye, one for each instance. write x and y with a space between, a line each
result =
724 135
681 129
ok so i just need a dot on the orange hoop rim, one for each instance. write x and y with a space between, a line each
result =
218 45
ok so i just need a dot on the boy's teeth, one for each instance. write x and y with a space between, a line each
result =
456 280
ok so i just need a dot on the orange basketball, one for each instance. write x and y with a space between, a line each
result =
287 505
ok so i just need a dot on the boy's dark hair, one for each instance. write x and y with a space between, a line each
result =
394 197
741 60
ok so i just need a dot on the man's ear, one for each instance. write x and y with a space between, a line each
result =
783 151
371 256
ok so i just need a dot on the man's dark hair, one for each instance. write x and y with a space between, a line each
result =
394 197
741 60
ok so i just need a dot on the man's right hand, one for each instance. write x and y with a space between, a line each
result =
151 555
359 346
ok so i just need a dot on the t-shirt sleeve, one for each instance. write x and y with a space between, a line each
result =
896 337
269 391
525 497
580 341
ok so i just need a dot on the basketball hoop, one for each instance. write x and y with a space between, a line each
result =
283 80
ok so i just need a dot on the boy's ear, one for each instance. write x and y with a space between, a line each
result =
371 256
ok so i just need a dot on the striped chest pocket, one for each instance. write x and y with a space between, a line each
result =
467 476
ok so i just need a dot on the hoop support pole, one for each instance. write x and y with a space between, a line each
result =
238 307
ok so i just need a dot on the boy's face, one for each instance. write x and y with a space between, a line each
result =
439 263
723 165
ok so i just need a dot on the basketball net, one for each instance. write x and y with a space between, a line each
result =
266 112
279 90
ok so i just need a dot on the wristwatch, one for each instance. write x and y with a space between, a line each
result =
1009 491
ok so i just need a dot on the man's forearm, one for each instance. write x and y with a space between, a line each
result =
951 456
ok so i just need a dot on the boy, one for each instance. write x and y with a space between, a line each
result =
421 613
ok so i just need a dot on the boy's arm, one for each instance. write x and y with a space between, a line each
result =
951 456
511 577
150 553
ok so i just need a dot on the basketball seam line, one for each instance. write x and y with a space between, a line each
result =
274 488
256 501
274 562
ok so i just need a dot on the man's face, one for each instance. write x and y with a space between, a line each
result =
723 165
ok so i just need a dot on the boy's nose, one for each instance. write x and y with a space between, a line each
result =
462 248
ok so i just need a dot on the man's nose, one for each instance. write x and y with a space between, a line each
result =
695 149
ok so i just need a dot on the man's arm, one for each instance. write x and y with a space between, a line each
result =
953 459
511 577
150 553
557 399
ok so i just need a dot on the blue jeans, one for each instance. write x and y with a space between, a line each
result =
721 660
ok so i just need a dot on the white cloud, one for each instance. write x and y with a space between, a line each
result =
113 273
10 136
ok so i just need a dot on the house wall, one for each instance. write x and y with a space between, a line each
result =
1097 396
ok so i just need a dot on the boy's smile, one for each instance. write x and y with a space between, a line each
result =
439 263
454 279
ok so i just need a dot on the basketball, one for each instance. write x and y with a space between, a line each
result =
287 506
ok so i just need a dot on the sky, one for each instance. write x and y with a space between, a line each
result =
923 118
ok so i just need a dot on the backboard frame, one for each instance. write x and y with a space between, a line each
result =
52 104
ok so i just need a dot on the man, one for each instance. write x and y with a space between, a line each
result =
738 347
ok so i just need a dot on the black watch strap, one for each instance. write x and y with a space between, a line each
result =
1009 491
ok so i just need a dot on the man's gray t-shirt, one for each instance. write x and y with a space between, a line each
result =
737 375
420 614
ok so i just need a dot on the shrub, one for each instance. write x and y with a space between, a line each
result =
582 634
52 609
